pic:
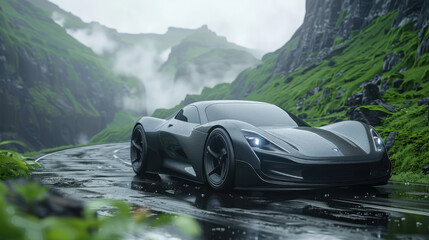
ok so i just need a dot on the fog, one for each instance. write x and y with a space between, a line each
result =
143 62
264 25
261 25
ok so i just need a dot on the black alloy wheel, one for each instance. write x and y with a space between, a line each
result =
138 150
219 161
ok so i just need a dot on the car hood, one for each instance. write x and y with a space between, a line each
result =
316 142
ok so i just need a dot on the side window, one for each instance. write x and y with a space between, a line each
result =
188 114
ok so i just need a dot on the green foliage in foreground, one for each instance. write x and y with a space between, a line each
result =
13 164
17 223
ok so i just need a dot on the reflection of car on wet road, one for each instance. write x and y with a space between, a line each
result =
244 144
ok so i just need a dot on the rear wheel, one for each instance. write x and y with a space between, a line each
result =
219 160
138 150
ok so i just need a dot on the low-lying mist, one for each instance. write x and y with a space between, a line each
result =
143 61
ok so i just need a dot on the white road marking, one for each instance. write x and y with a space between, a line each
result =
42 157
120 159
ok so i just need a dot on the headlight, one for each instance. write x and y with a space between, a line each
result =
378 141
257 141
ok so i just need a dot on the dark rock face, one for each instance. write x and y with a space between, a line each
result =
423 101
423 48
316 101
302 116
340 109
374 80
397 83
390 61
388 107
239 85
409 12
326 93
249 90
370 94
299 103
384 86
319 30
354 100
390 140
340 94
313 91
417 87
367 116
425 170
288 80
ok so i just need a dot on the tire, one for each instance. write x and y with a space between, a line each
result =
219 160
138 150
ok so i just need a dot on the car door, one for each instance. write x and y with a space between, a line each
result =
176 139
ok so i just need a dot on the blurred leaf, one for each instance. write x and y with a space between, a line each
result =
3 188
18 225
187 225
163 219
31 191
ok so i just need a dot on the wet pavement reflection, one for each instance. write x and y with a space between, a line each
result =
394 211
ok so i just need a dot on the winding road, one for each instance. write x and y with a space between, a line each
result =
397 210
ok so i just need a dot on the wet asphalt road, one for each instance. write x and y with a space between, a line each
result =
394 211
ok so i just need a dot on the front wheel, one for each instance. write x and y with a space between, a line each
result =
138 150
219 160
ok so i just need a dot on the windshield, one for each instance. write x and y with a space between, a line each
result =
257 114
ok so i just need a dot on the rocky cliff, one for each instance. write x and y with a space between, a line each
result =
328 23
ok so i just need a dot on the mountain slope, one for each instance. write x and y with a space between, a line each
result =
362 60
54 90
203 55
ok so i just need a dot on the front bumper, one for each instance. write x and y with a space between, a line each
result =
280 173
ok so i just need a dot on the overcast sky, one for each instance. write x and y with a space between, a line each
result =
264 25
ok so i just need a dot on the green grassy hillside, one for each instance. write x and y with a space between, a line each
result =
352 63
51 83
